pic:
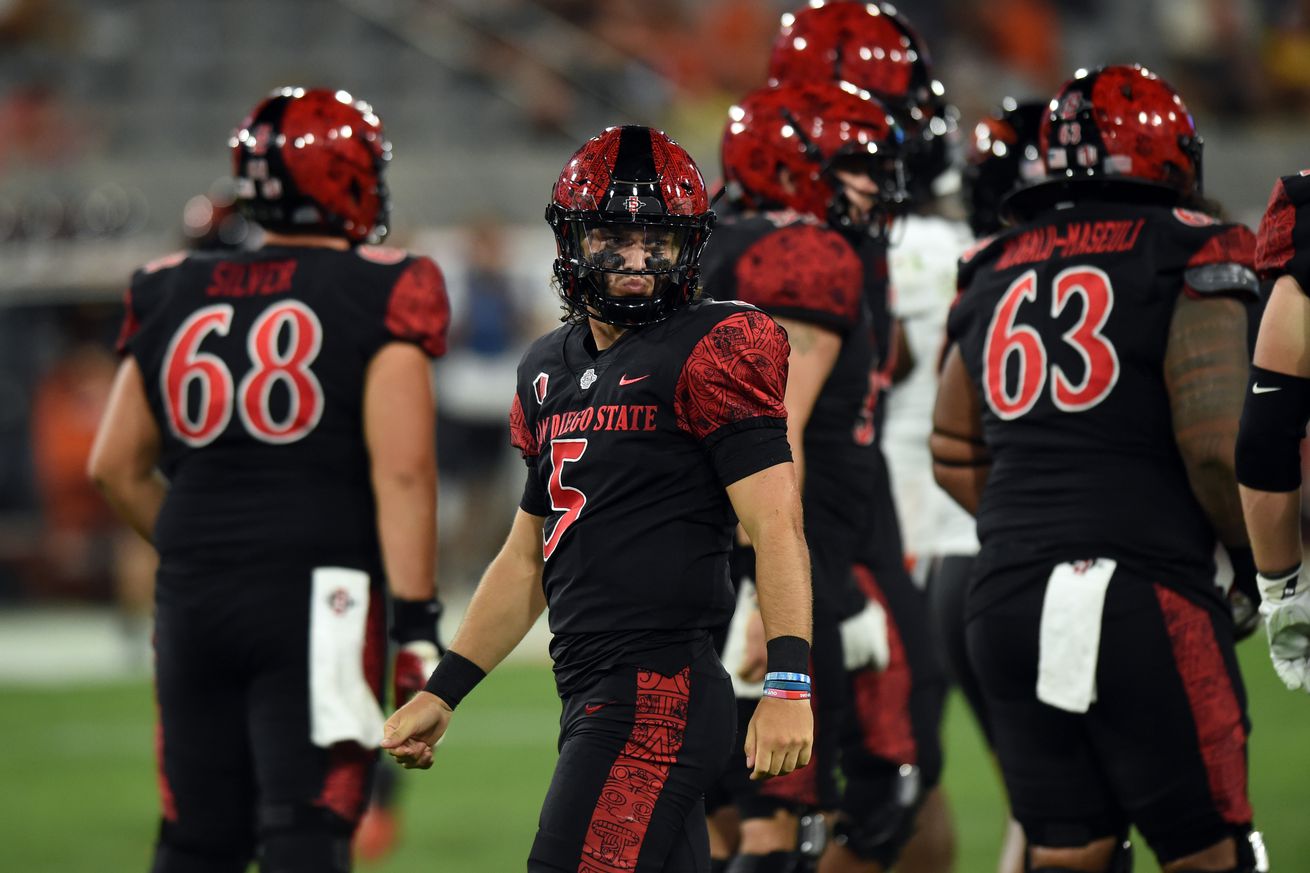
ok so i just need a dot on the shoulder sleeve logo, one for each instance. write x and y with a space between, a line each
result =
539 387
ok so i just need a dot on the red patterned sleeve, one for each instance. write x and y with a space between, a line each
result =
804 272
1283 244
730 395
520 435
737 373
1223 265
418 311
131 324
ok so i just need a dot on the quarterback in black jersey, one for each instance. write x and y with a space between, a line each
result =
271 433
1087 415
650 424
1273 425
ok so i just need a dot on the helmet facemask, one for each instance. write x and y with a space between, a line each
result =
627 272
847 209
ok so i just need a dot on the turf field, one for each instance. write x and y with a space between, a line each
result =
77 789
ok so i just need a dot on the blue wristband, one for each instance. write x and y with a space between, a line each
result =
787 686
787 677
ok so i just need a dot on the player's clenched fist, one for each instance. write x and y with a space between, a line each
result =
780 737
413 730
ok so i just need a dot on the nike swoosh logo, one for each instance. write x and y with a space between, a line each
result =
624 380
593 708
1257 388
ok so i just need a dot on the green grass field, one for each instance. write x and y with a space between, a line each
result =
78 785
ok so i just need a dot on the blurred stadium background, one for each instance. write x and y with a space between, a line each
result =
114 117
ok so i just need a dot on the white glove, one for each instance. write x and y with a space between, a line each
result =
414 663
1285 605
864 639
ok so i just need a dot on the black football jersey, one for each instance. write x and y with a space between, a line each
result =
790 266
881 545
254 366
629 451
1063 324
1283 245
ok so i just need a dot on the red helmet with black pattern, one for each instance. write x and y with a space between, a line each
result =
630 188
311 161
873 47
1122 124
782 147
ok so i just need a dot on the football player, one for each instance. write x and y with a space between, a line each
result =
1273 425
803 166
1087 415
270 431
650 422
892 772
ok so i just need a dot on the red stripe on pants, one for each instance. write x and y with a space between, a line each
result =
1218 717
627 799
882 698
166 802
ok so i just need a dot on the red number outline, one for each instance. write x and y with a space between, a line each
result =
306 393
184 362
1022 340
1097 352
215 405
1101 367
563 498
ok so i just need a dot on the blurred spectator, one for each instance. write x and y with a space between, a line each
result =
86 552
36 127
66 407
474 380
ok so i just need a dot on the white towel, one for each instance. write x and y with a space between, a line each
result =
1069 643
341 705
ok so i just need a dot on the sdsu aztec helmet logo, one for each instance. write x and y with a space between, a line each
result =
311 161
1070 105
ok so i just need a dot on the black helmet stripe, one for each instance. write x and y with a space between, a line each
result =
271 114
635 161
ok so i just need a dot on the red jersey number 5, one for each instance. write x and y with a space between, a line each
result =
563 498
1011 343
276 362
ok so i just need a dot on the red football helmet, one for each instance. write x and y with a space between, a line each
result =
1122 123
809 130
872 46
311 160
867 44
629 188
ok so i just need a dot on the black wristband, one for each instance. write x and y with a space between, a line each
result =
1243 571
454 678
788 655
413 620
